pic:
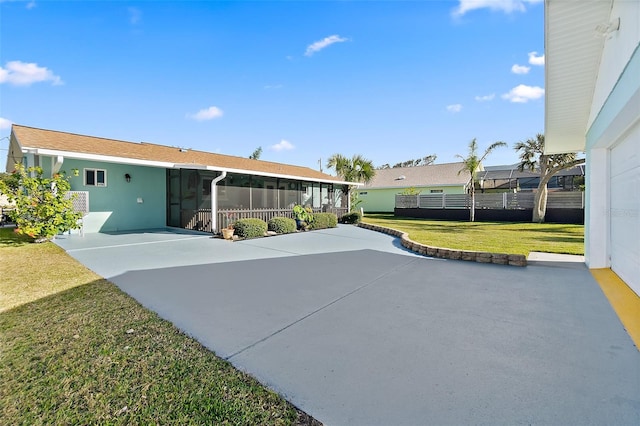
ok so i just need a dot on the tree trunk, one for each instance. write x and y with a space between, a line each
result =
540 204
473 205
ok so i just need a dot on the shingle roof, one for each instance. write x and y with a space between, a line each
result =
33 138
431 175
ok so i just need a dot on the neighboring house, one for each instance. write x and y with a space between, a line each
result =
379 195
592 53
509 178
141 185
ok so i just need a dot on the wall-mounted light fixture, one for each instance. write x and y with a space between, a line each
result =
127 177
607 30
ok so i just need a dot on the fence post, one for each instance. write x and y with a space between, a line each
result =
418 200
444 201
504 200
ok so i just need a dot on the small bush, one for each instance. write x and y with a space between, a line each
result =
324 220
353 217
282 225
250 228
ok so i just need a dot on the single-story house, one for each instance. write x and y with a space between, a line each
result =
592 52
133 186
379 194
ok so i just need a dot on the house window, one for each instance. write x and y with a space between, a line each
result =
436 191
95 177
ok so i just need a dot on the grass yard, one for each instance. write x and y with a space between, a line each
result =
77 350
497 237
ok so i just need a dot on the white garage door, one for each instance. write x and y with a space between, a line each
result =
625 209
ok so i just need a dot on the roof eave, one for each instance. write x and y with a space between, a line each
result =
171 165
572 60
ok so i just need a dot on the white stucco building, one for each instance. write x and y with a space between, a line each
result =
592 50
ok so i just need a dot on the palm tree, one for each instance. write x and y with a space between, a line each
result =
471 165
354 169
532 154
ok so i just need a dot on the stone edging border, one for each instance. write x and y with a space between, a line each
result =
445 253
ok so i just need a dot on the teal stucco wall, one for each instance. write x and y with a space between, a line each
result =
383 200
121 205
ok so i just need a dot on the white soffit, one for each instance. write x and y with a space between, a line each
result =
572 58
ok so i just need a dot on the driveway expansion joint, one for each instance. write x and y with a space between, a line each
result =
322 308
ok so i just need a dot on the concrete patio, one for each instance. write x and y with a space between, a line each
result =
354 329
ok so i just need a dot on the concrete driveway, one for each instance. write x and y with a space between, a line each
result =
355 330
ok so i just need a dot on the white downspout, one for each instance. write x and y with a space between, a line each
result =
214 201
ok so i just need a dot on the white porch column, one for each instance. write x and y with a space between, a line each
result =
597 225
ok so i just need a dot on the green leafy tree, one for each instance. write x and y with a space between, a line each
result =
472 164
256 154
42 208
532 155
424 161
354 169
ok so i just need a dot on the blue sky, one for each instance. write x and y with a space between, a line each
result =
391 80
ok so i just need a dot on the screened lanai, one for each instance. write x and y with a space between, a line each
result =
189 203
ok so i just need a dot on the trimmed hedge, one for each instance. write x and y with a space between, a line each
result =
353 217
281 225
250 228
324 220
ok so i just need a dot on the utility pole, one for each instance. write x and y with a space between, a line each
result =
320 163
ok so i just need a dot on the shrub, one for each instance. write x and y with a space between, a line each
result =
353 217
324 220
250 228
282 225
42 209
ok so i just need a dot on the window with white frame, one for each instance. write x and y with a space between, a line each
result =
95 177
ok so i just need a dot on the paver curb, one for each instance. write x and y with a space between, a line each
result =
446 253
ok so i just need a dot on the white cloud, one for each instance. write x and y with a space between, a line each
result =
4 123
273 86
485 98
206 114
20 73
506 6
455 108
520 69
523 94
31 5
283 145
135 15
536 60
325 42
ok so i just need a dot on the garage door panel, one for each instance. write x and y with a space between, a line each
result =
624 156
625 209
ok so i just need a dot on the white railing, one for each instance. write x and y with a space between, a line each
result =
200 219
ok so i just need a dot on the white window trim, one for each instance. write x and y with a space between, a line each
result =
95 177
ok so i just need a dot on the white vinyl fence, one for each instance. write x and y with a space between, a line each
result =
504 200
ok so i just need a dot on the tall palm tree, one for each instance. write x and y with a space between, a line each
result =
354 169
532 154
471 165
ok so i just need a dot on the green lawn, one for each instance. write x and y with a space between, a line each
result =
497 237
77 350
